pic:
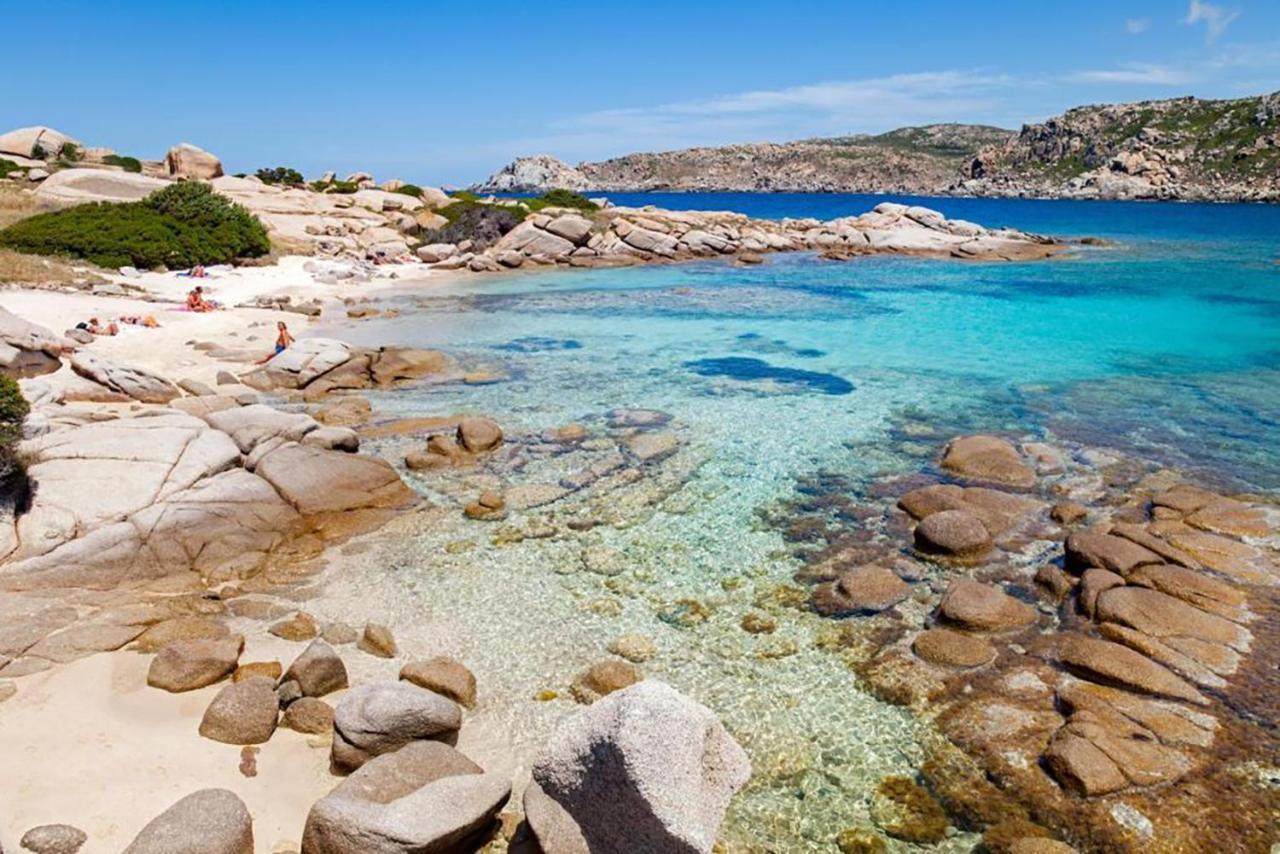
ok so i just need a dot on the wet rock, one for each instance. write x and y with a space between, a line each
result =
317 671
866 589
603 678
1053 580
1092 584
1233 518
380 717
188 665
953 649
643 769
652 447
861 840
1068 513
345 412
443 675
425 797
1202 666
643 418
309 715
953 533
758 624
210 821
1086 549
54 839
1238 560
1170 723
300 627
1111 663
905 810
490 506
1081 766
1195 588
1140 535
1039 845
478 435
987 459
636 648
242 712
1184 499
377 640
603 560
980 607
1161 616
339 633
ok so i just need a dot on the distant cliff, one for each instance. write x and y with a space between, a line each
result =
1184 148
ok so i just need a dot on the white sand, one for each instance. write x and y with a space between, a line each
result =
90 744
165 350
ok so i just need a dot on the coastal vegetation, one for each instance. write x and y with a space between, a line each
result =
128 164
179 226
281 175
13 413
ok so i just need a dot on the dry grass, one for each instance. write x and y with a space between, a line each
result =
16 203
19 269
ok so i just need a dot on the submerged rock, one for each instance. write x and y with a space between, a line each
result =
987 459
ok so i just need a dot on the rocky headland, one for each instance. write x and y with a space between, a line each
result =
1179 149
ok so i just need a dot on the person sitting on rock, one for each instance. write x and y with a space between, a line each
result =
283 340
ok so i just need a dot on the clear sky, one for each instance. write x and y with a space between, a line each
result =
447 92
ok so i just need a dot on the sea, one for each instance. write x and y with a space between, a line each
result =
1157 338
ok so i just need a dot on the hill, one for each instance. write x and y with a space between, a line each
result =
1182 148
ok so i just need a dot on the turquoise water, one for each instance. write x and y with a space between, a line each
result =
1164 344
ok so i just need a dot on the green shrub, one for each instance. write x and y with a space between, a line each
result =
38 152
562 199
281 175
70 152
8 167
179 226
128 164
410 190
13 412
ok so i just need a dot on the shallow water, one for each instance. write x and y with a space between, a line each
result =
1165 344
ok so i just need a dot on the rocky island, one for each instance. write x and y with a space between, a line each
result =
1185 148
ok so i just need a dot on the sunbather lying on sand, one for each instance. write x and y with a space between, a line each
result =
94 327
146 320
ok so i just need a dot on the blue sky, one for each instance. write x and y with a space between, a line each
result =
446 92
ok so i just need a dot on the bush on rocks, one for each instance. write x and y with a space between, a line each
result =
128 164
179 226
8 167
13 413
281 175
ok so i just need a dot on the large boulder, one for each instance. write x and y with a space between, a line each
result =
137 383
381 717
77 186
300 364
527 239
185 160
210 821
27 349
243 712
39 142
250 426
643 769
317 480
425 797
